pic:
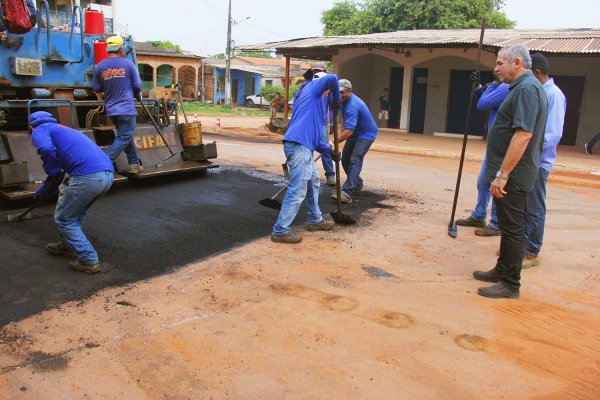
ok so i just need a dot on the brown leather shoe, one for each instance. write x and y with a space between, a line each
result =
530 261
322 225
88 268
488 231
470 221
291 238
60 249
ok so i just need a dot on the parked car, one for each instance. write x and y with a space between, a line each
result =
254 100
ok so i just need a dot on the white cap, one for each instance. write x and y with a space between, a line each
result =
345 84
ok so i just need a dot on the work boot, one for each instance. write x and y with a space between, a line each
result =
345 197
489 276
470 221
322 225
83 266
60 249
331 181
499 291
135 169
530 261
488 231
290 237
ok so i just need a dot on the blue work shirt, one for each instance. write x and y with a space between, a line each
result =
66 149
557 106
358 119
491 98
306 124
119 79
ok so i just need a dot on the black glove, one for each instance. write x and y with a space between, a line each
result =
475 77
138 96
335 155
335 106
308 75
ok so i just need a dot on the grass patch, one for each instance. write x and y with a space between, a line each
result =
211 109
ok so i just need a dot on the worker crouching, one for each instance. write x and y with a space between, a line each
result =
90 175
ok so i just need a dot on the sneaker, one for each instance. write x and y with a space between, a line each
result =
530 261
331 181
588 149
291 238
82 266
135 169
322 225
60 249
470 221
345 198
488 231
499 291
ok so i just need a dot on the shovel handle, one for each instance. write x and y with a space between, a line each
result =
156 127
178 87
338 188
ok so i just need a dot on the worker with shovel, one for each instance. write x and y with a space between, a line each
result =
302 138
65 150
120 81
360 131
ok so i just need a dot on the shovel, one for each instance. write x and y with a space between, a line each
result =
181 101
273 201
338 216
452 229
157 129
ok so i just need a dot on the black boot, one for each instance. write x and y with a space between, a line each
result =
489 276
499 291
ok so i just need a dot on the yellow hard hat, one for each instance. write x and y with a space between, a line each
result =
114 43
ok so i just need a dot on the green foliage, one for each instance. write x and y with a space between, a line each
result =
269 91
165 44
350 17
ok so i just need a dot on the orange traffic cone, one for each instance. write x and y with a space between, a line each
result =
218 124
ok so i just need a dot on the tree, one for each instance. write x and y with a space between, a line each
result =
165 44
350 17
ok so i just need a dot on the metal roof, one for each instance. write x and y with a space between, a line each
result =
558 41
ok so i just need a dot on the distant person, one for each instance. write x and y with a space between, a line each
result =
535 218
590 145
120 81
302 138
274 104
513 160
65 150
384 107
489 100
359 132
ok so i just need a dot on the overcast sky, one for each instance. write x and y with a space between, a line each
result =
201 25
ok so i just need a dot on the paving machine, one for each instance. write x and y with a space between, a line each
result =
50 68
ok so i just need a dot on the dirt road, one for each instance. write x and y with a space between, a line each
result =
386 309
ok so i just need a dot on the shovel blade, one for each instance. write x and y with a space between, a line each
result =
275 204
341 218
452 230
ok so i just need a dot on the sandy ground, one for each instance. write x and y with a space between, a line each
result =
385 309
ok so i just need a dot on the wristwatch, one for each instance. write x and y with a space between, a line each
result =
500 176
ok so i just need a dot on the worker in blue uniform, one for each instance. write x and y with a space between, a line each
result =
360 131
302 138
120 81
90 173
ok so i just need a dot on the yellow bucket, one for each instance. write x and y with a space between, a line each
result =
191 134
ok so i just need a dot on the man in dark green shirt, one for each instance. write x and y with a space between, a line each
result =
513 158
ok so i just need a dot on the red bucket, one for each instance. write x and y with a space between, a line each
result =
99 51
94 22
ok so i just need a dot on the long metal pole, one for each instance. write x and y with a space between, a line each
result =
286 107
228 60
452 229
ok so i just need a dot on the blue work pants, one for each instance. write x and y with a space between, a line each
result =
483 198
326 158
125 125
535 218
353 156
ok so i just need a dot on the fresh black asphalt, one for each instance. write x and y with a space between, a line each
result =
140 231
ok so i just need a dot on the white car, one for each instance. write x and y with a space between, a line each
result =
254 100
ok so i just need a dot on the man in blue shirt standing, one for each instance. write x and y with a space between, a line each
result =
302 138
120 81
65 150
489 100
535 217
360 130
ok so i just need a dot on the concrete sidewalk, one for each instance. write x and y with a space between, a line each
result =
571 159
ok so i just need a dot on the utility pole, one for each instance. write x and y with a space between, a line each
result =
228 60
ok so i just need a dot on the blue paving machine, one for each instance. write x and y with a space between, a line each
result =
51 69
